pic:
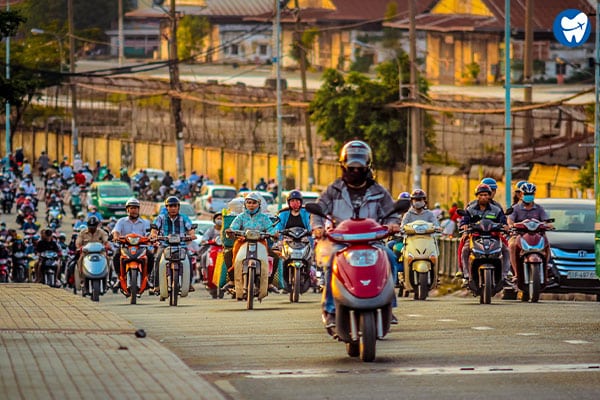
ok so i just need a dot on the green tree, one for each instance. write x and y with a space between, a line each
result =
191 32
355 107
586 175
32 67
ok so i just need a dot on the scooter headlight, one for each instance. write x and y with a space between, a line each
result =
527 247
361 258
133 240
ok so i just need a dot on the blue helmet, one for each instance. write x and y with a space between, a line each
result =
404 195
491 182
518 185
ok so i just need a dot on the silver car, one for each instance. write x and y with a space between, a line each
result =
573 258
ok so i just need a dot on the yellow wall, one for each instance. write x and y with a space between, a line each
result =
250 167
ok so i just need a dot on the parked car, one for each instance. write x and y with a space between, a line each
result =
184 208
151 172
572 245
110 197
213 198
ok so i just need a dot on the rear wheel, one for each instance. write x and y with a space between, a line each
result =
133 289
535 284
250 288
96 290
368 336
486 287
295 293
353 349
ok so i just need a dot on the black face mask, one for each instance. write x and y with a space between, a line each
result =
355 177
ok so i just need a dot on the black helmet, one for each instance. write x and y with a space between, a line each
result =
295 194
418 194
356 151
215 215
93 221
171 200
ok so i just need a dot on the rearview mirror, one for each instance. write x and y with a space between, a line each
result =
315 208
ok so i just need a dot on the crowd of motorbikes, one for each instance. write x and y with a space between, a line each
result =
362 282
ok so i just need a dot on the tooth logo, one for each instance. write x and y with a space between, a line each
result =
572 28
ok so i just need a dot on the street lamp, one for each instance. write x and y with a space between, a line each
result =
58 38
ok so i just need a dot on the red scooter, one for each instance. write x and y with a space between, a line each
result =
133 278
362 283
532 261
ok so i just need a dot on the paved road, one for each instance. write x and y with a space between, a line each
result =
446 347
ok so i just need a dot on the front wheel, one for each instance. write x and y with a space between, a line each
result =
295 292
133 286
368 336
174 293
485 296
250 288
535 284
422 287
96 290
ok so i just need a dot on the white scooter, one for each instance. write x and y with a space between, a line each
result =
95 270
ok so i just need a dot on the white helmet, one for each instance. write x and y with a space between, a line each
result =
255 196
132 202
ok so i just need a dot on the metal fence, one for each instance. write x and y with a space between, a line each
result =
448 259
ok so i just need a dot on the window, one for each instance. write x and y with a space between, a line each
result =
234 50
262 49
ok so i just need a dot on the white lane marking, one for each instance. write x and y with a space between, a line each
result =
527 334
450 370
482 328
576 341
446 320
414 315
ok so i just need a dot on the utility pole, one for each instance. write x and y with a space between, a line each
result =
74 133
277 29
414 90
175 89
307 129
597 139
7 122
528 134
507 116
121 35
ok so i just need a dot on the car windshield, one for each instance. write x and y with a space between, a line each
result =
184 208
115 191
572 219
223 194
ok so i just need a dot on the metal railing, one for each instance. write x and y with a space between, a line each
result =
448 259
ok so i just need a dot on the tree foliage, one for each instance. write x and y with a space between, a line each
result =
354 107
586 175
191 32
33 65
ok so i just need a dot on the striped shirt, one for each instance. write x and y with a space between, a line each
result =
178 225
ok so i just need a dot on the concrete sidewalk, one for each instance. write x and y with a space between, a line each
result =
55 345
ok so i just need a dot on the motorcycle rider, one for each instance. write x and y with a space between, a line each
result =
483 208
418 210
80 222
527 208
93 212
355 187
211 234
85 236
171 222
132 223
518 194
294 215
252 218
46 243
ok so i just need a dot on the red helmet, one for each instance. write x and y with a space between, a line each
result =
483 188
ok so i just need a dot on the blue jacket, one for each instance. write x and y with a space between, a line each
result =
284 216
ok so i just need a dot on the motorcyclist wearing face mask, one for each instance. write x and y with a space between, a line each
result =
418 210
527 208
355 187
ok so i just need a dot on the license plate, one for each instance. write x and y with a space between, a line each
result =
582 275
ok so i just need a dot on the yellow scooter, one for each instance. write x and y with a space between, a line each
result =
420 254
